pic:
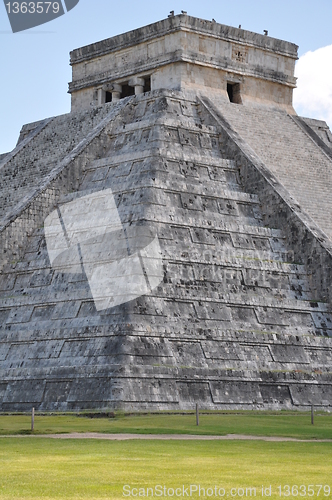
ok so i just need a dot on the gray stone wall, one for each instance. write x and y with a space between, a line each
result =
308 243
240 319
289 154
45 165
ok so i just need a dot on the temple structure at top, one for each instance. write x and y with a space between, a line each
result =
183 53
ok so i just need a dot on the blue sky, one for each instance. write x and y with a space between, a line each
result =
35 67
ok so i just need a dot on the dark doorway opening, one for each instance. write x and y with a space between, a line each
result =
147 84
127 90
234 92
108 97
230 91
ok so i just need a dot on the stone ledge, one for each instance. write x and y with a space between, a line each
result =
178 56
178 23
31 134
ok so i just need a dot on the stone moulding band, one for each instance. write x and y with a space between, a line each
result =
113 77
183 23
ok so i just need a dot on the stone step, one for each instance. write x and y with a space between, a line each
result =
163 193
45 150
155 160
85 326
244 320
205 220
225 305
167 181
249 362
228 279
182 123
302 168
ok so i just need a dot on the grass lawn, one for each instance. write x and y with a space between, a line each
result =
289 424
95 469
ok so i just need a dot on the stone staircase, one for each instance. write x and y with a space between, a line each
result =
232 325
290 154
321 129
3 156
25 170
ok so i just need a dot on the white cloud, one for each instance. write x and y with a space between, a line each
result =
313 97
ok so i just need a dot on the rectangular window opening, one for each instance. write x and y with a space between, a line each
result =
127 90
147 84
234 92
108 96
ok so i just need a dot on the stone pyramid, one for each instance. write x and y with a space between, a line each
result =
168 242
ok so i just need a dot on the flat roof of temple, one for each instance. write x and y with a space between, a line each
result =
182 22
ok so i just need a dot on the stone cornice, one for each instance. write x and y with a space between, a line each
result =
183 23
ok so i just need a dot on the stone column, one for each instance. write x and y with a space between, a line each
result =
115 90
138 83
101 97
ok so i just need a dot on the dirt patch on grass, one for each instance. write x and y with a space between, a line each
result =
167 437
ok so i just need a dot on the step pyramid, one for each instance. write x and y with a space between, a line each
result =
230 322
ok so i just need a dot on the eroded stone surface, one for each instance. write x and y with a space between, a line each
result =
211 284
303 169
232 324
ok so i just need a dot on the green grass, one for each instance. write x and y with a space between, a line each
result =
95 469
288 424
